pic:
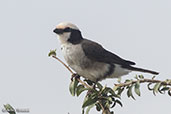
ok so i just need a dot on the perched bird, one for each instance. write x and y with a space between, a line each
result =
89 59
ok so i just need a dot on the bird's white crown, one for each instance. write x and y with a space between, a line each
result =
64 25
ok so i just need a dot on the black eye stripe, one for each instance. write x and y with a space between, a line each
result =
67 29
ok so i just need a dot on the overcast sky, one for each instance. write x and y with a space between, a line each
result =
137 30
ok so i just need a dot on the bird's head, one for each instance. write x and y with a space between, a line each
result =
68 32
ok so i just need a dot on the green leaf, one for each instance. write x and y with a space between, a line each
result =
89 101
107 104
114 103
129 92
9 109
111 112
81 89
113 93
165 89
169 92
107 90
89 82
141 76
103 91
99 86
52 53
120 90
156 88
98 107
115 89
168 81
149 86
110 100
106 101
89 107
83 111
137 88
136 77
72 86
119 102
127 80
153 77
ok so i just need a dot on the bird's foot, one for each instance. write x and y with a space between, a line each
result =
94 85
89 92
75 75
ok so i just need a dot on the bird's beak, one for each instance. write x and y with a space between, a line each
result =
58 31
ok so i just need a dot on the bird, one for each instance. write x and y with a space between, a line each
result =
89 59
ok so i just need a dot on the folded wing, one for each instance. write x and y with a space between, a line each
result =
96 52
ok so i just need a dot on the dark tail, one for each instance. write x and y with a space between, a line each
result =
142 70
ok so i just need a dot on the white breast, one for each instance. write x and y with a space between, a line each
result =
73 55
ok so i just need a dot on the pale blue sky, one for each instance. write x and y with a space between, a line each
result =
137 30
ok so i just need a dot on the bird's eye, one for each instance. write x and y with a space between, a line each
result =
67 29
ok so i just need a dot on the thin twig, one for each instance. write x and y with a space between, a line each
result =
84 83
71 71
104 110
102 107
143 81
63 64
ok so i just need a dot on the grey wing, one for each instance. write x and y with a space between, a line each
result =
96 52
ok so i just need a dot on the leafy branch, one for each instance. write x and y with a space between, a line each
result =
143 80
105 98
9 109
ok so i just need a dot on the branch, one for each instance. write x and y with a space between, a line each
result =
144 81
103 110
63 64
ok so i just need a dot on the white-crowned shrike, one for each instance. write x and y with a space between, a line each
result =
89 59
